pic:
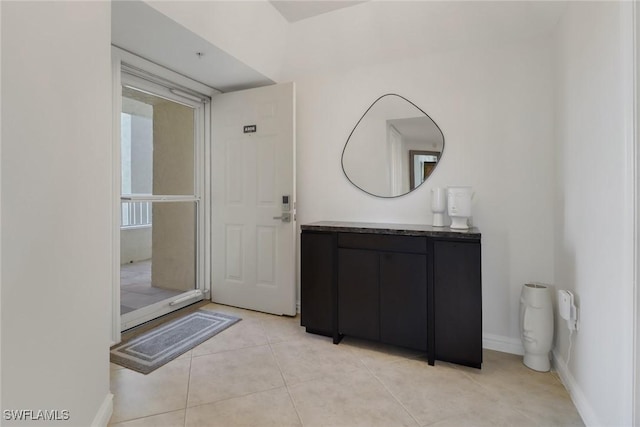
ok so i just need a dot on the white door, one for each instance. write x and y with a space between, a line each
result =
253 207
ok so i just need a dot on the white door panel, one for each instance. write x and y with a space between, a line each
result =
253 253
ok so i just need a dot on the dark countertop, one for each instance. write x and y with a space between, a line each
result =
395 229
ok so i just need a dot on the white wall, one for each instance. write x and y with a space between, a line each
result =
135 244
173 239
593 241
494 106
56 208
375 32
1 402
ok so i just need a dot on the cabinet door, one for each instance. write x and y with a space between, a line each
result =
403 300
317 277
358 293
458 302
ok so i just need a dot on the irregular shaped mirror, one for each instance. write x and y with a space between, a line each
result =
393 148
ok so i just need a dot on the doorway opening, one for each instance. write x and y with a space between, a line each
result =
163 212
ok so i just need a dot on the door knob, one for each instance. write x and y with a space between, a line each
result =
285 217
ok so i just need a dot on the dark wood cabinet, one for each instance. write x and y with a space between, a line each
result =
382 296
416 288
458 311
358 294
318 271
403 300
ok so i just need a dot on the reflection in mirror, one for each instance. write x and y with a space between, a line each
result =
421 165
393 148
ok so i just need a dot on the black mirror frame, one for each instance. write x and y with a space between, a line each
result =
356 126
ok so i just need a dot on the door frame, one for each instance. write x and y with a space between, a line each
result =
203 186
633 147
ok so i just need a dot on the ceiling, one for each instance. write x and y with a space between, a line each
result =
297 10
421 129
340 37
142 30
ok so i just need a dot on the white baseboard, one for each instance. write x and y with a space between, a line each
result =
104 412
502 343
577 396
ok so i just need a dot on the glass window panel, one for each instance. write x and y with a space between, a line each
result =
157 148
157 252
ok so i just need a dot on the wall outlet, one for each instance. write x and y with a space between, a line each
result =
567 309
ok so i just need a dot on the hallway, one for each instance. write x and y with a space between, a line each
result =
266 371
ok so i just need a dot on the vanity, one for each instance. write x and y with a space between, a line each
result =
414 286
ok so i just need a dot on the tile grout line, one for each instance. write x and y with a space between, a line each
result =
187 407
232 398
227 351
293 402
392 395
267 343
135 418
186 399
145 417
489 390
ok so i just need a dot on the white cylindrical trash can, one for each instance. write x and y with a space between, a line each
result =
536 325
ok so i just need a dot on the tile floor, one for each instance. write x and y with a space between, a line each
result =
266 371
135 287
